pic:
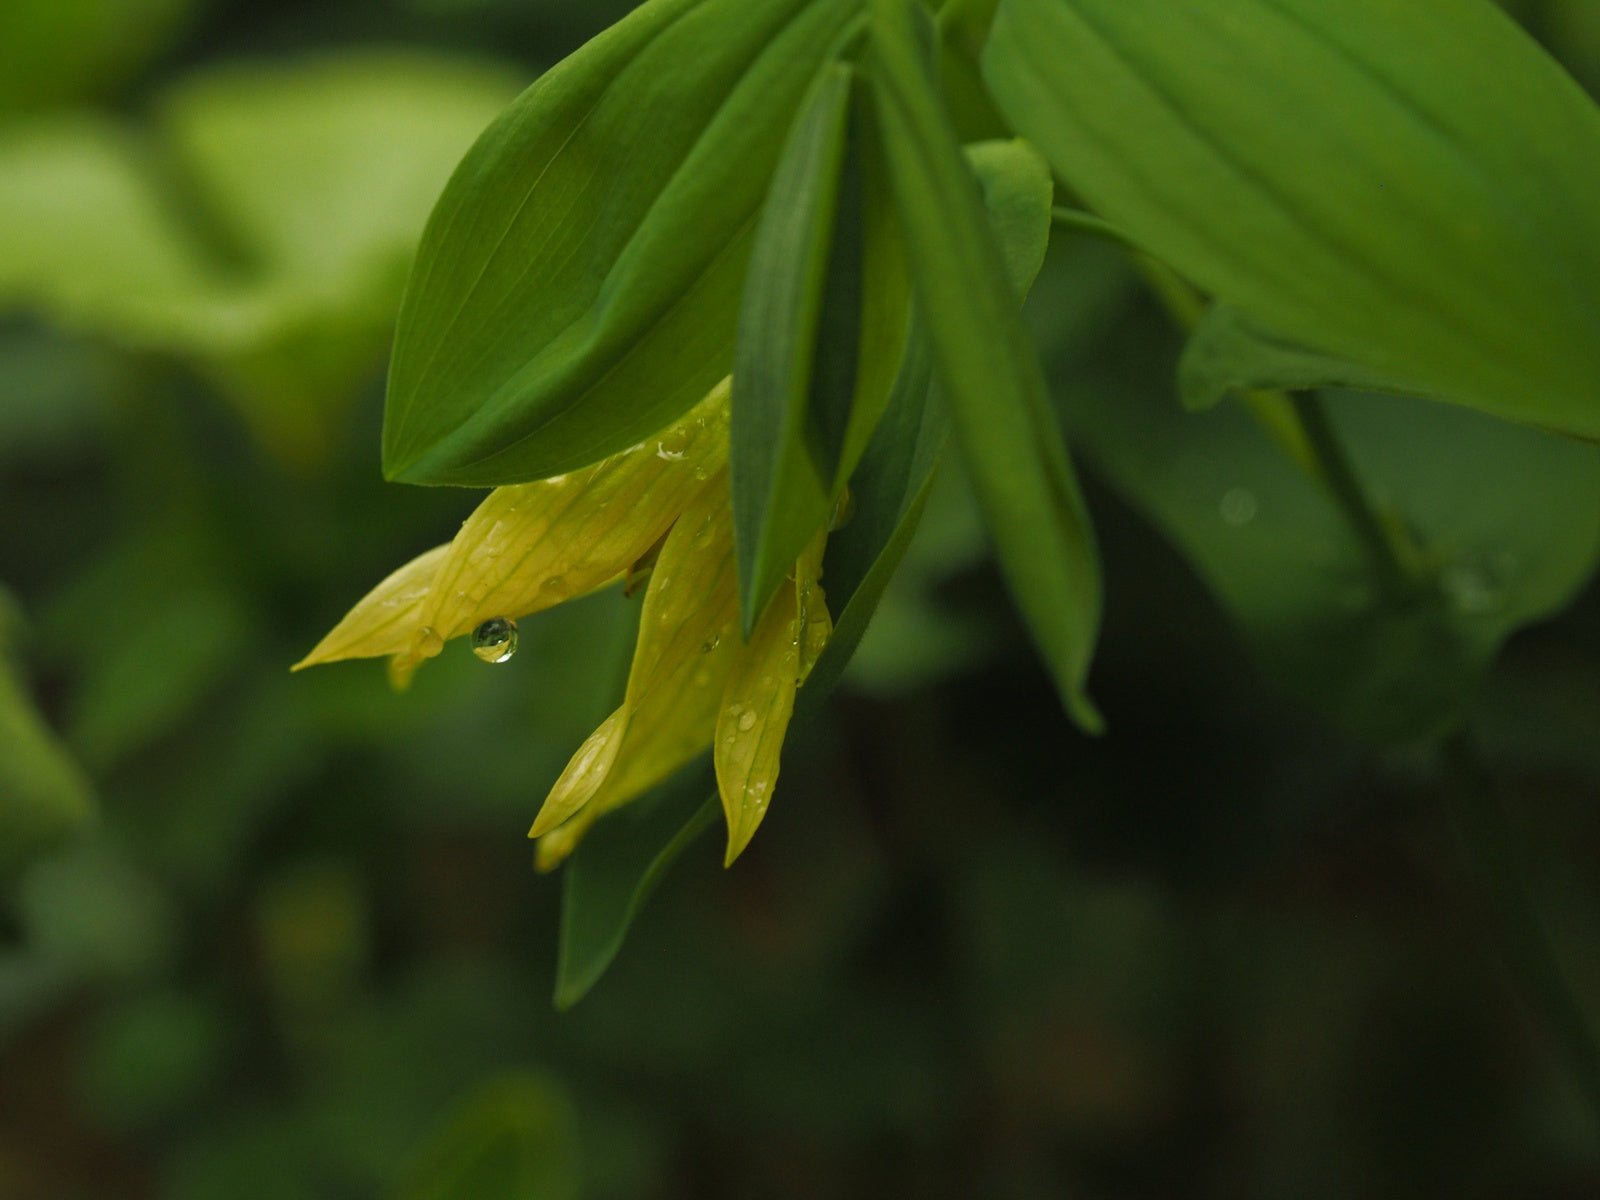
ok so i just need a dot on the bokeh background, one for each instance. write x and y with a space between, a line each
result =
270 936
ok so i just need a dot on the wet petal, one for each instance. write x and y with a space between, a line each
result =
684 651
815 622
757 705
387 619
531 546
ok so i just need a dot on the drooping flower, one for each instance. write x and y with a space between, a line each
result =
695 681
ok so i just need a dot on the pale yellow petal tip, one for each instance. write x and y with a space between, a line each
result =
584 775
555 847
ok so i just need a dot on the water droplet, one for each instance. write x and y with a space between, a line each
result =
672 445
747 722
701 474
1239 507
711 643
842 511
556 585
495 641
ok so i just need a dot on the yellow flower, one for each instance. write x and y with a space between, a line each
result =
695 682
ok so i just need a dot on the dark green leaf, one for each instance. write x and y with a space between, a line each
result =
578 284
44 798
1343 174
986 362
514 1139
619 864
1227 353
1503 525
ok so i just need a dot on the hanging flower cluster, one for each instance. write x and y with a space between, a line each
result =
661 509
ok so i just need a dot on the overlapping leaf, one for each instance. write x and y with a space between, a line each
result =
1345 175
578 283
986 362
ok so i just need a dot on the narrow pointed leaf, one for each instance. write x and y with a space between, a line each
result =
578 282
779 496
1341 174
987 365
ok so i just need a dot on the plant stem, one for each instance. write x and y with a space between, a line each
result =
1394 565
1488 835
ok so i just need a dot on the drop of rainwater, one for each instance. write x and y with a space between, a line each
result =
495 641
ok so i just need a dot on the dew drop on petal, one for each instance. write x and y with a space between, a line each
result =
495 641
747 722
711 643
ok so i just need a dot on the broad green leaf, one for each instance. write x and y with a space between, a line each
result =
44 797
619 864
986 362
578 283
1341 174
779 496
1504 523
1226 353
514 1138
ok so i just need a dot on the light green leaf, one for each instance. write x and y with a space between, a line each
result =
307 189
780 499
1341 174
514 1138
578 283
986 362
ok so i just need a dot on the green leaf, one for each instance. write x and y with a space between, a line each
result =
514 1138
616 868
779 497
44 797
1503 524
1226 353
578 283
986 362
1342 175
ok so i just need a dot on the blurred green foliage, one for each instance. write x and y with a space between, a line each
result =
270 937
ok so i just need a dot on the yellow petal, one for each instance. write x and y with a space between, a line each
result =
387 619
681 660
534 545
531 546
757 704
584 774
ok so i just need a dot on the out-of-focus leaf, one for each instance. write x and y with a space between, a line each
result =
578 282
613 872
307 187
167 629
53 51
1505 523
44 797
986 362
1227 353
515 1139
780 498
1342 175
